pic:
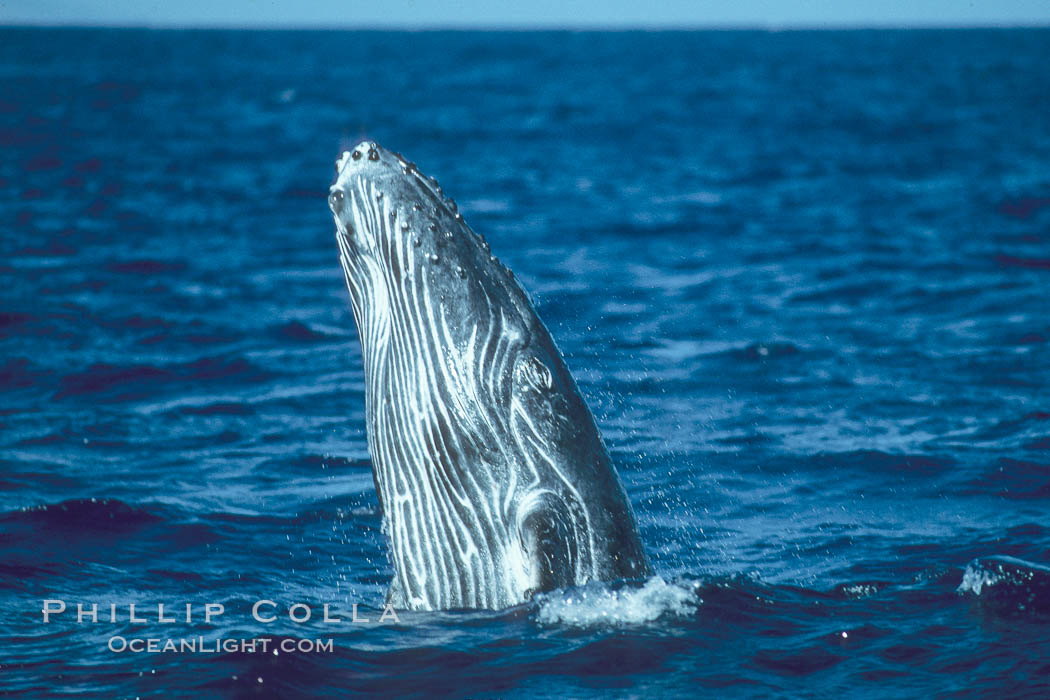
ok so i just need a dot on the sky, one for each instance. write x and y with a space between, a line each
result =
526 13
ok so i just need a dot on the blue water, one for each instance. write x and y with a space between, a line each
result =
803 280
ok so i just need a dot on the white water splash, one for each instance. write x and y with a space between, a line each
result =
600 605
975 578
860 590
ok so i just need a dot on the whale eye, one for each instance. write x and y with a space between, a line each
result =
534 374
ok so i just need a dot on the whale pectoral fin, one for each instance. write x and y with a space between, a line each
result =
548 538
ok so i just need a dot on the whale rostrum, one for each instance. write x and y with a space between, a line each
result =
492 476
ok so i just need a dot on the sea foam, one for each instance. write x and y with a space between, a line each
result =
599 604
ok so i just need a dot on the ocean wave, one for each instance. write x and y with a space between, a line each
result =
299 332
1008 583
149 268
884 462
219 408
83 514
1013 479
311 463
117 383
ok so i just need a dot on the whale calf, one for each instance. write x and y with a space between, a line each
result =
492 477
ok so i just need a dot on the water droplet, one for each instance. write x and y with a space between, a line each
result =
433 227
434 257
417 207
356 155
379 195
452 206
393 216
404 228
459 217
448 234
484 245
461 272
416 242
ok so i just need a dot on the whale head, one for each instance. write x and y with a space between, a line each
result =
491 474
405 249
441 324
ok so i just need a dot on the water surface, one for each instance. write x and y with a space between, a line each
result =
801 278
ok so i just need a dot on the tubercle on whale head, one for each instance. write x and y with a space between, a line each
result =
381 202
386 174
410 262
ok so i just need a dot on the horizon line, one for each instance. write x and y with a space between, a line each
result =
537 27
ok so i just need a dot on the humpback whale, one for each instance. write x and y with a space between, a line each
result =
493 480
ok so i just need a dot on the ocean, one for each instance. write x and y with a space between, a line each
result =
802 279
